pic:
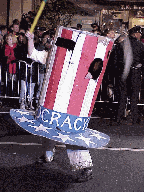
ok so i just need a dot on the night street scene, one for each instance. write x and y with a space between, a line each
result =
72 96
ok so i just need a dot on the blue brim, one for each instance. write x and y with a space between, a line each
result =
89 138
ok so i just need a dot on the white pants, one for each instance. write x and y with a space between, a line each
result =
79 159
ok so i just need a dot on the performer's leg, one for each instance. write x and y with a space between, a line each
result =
79 159
48 150
81 163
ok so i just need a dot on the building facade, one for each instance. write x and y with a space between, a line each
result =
13 9
129 14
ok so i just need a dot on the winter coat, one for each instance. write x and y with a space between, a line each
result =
11 59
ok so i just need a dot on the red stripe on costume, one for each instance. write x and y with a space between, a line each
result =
109 47
80 83
56 72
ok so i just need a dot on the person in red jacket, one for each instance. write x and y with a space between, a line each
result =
10 65
11 43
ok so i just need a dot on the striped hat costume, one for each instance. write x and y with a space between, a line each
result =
68 97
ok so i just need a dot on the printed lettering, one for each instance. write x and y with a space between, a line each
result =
86 121
55 117
67 120
45 110
75 124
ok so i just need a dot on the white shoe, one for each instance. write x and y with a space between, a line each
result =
29 106
49 156
22 106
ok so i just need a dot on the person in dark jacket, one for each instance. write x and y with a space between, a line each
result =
128 59
25 71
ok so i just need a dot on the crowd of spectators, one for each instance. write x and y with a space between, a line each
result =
17 70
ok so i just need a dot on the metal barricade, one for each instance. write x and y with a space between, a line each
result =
106 96
10 88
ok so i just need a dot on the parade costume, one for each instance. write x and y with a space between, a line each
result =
68 95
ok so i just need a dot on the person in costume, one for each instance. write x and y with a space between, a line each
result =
61 122
76 161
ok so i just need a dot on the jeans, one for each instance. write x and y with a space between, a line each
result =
23 92
41 78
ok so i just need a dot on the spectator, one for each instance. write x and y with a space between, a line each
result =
1 40
79 26
2 61
128 60
52 34
44 45
11 43
22 31
24 22
95 28
28 73
15 27
3 32
40 31
16 21
21 52
142 38
9 52
110 33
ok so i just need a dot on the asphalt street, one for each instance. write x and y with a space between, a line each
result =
118 167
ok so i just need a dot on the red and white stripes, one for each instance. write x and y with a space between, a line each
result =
66 90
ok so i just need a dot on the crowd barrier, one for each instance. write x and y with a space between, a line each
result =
10 88
10 84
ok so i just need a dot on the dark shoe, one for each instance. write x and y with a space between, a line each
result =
138 122
47 157
121 121
29 106
84 175
41 159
